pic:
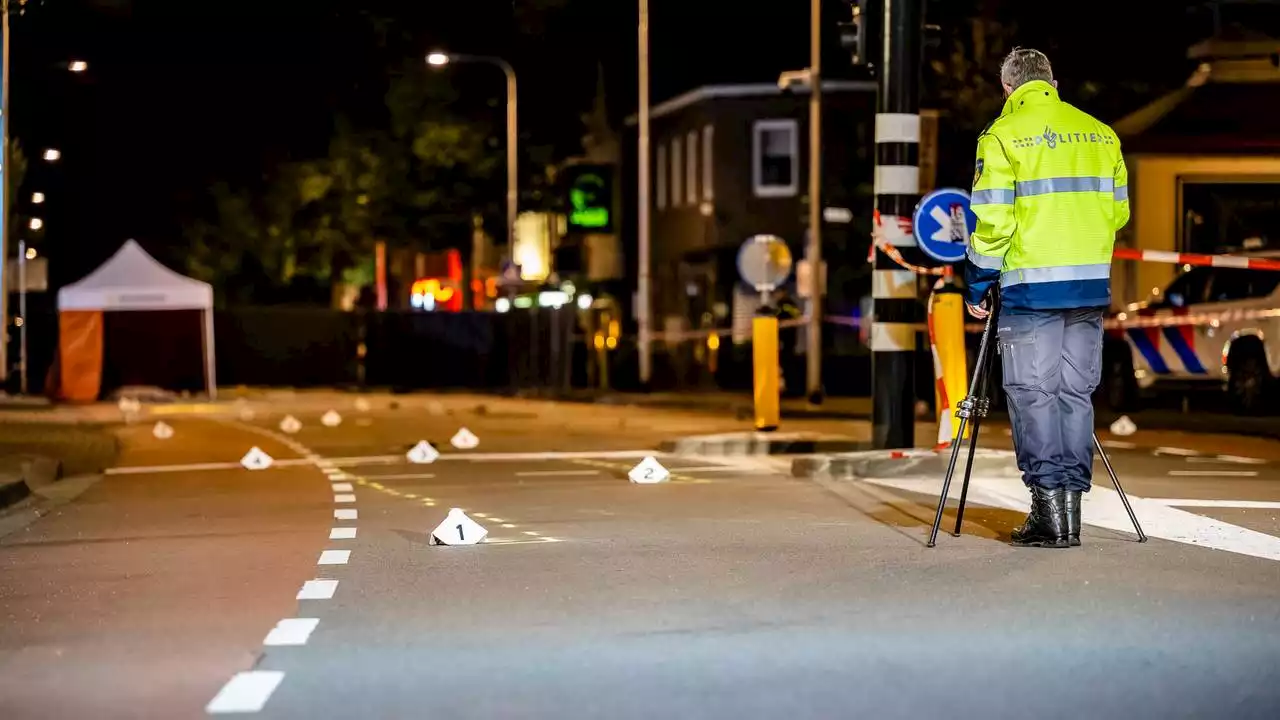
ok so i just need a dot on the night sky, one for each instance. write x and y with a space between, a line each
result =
181 94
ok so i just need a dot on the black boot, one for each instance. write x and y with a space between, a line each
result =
1046 525
1073 517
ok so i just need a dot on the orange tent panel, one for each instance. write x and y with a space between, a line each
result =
80 354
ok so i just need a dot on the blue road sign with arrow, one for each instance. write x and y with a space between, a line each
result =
942 224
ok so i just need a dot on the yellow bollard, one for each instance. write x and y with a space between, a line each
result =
948 328
764 366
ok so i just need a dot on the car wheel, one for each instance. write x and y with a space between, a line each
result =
1118 389
1248 382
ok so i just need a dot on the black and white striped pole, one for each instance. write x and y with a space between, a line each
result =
896 308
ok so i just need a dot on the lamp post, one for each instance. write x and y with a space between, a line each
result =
440 59
644 313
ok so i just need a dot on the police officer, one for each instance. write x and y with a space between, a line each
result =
1050 190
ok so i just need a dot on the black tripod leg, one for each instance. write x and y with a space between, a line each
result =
1106 461
968 470
946 485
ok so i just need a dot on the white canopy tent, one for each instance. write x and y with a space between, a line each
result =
133 280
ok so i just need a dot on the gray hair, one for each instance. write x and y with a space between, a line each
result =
1023 65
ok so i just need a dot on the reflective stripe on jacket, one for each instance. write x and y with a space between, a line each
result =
1050 190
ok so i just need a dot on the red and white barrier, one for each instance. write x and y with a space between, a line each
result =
1173 258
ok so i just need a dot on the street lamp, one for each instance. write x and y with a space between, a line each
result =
37 198
36 223
77 66
440 59
52 154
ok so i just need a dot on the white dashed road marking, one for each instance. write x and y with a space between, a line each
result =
1181 452
342 487
344 498
291 631
318 590
246 692
334 557
1213 473
345 514
342 533
554 473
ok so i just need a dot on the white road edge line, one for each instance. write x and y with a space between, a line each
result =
291 631
334 557
342 533
245 692
317 590
1241 504
1213 473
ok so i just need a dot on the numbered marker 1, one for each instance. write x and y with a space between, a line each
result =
458 529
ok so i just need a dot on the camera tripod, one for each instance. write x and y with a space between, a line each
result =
973 409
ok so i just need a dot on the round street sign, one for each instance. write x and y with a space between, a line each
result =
943 223
764 262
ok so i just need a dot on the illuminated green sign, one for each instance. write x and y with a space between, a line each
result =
590 199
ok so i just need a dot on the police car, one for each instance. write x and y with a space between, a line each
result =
1230 340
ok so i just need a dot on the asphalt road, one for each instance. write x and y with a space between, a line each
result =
732 591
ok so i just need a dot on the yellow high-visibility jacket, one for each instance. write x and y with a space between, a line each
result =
1050 190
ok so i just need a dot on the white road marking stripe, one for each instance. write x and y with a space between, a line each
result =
1242 504
553 473
344 498
408 476
331 471
514 541
1181 452
1119 444
342 533
390 460
342 487
530 532
344 514
1213 473
334 557
1242 460
317 590
245 692
1102 508
291 631
496 519
507 525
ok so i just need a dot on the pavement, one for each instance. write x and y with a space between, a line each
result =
181 585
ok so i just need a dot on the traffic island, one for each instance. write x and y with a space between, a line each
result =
742 444
903 464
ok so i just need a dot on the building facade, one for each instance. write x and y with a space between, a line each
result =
731 161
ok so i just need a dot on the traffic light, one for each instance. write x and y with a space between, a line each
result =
854 35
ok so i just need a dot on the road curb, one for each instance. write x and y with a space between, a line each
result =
900 464
21 474
754 443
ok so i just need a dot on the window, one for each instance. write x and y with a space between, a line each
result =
1222 217
708 189
660 176
1231 284
691 167
677 172
775 158
1188 289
